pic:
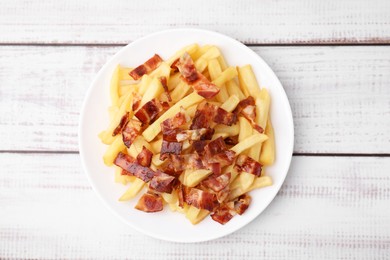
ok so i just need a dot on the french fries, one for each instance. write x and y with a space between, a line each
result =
267 156
249 142
197 175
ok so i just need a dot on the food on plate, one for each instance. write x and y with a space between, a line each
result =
189 132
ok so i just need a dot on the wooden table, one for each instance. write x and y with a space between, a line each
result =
333 59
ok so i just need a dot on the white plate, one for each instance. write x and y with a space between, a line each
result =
169 225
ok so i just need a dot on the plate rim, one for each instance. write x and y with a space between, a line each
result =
83 115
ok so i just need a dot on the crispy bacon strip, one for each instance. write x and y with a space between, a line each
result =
130 165
162 182
169 127
224 117
174 65
245 163
193 135
150 203
130 132
222 215
247 108
217 183
144 158
204 114
201 199
122 124
217 152
194 78
147 67
170 148
164 83
182 162
223 194
242 204
149 112
198 146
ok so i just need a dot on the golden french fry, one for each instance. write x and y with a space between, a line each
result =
228 74
201 63
113 150
154 90
114 86
231 103
144 84
180 91
245 129
230 130
249 142
246 179
124 73
248 81
156 145
154 129
215 71
259 182
134 189
234 89
174 81
267 156
200 51
222 62
194 177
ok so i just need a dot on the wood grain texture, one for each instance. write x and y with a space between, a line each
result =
328 208
340 96
254 22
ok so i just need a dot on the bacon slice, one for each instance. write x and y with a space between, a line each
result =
224 117
198 146
222 215
150 203
147 67
204 114
122 124
242 204
144 158
201 199
130 132
247 107
185 161
217 183
169 127
245 163
223 194
170 148
193 135
164 83
216 152
130 165
174 65
162 182
194 78
149 112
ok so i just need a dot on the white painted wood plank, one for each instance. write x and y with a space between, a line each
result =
266 22
328 208
339 95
